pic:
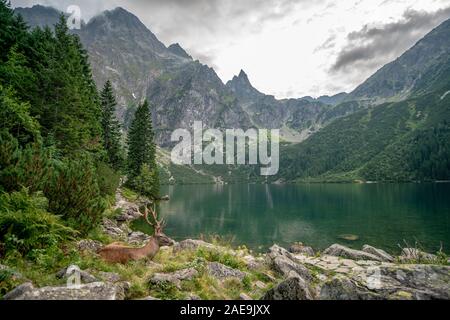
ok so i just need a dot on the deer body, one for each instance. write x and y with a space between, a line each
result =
119 253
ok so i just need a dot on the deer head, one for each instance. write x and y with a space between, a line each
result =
157 225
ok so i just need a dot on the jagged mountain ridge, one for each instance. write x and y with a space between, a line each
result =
124 50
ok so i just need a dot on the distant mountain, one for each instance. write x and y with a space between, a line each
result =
418 70
39 16
124 50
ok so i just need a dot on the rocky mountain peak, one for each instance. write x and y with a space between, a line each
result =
179 51
241 86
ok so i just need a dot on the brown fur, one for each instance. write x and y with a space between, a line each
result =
118 253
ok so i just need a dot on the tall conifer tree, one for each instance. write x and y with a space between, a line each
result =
111 127
142 168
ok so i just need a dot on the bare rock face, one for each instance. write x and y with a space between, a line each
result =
338 250
383 255
293 288
91 291
174 278
222 272
342 288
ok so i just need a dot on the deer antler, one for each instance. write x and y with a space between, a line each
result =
158 224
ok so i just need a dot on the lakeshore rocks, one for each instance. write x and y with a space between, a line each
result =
18 291
174 278
416 255
338 250
286 264
342 288
293 288
137 238
222 272
383 255
109 277
112 229
193 245
91 291
299 248
72 270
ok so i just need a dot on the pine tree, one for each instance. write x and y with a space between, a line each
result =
142 153
111 127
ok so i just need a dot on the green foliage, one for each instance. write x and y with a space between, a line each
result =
147 182
74 194
111 128
108 179
403 141
15 118
25 224
142 166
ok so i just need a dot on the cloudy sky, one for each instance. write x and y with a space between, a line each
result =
289 48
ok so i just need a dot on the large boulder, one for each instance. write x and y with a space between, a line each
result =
299 248
137 238
284 263
342 288
18 291
222 272
383 255
338 250
174 278
293 288
91 291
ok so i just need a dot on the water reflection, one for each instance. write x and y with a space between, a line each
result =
260 215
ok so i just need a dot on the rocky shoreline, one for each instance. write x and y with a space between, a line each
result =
191 267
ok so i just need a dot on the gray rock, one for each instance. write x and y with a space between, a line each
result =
338 250
137 237
383 255
222 272
112 229
89 245
109 276
288 268
284 263
174 278
85 277
416 255
192 245
342 288
298 248
18 291
91 291
293 288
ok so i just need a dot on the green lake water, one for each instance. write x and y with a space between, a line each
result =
257 216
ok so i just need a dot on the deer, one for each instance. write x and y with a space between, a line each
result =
120 253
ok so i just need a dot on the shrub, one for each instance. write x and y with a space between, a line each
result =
73 193
25 224
108 179
147 182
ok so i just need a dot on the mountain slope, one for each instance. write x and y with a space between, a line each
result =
410 73
402 141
